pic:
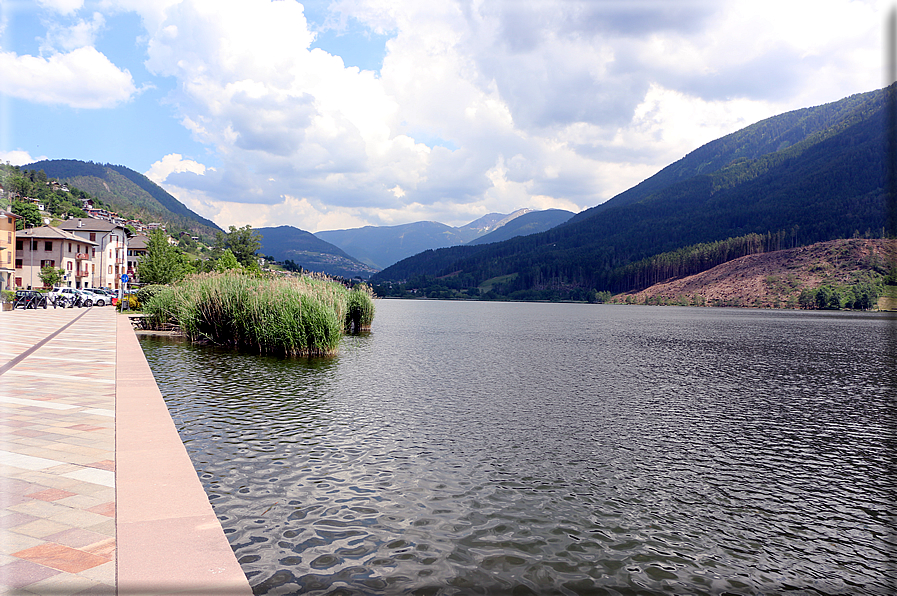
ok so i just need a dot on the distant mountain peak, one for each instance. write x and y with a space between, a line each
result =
493 221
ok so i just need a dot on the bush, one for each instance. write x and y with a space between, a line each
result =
290 316
359 309
146 292
131 299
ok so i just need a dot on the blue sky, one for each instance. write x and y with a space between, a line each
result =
338 114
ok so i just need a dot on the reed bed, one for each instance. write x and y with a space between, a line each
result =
295 316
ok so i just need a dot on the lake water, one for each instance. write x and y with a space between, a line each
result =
514 448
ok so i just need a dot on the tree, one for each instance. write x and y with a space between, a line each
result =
226 261
807 298
162 263
30 212
51 276
243 243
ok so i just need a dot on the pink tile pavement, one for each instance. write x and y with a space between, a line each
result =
97 492
168 538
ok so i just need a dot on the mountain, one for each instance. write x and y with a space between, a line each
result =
130 193
381 246
528 223
807 176
489 223
310 252
777 278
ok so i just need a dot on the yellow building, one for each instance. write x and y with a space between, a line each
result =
7 248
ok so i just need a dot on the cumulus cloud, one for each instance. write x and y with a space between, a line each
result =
559 103
173 163
65 37
62 6
19 157
82 78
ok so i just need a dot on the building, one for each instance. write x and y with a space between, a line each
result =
48 246
112 248
136 250
7 249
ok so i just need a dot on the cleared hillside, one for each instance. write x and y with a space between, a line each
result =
775 279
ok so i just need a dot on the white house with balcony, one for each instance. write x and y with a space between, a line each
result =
111 250
47 246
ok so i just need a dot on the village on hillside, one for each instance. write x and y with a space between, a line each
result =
91 252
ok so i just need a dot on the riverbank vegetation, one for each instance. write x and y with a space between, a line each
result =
290 316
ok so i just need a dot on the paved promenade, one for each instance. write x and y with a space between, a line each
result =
97 493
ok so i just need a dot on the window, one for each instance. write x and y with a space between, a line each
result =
110 269
93 252
93 268
19 244
34 245
18 263
8 258
68 265
93 236
9 237
18 282
70 247
48 246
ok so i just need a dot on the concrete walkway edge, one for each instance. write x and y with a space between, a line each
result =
168 539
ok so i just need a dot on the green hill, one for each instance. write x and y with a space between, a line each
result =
310 252
130 193
810 175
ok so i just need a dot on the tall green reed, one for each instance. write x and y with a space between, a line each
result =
294 316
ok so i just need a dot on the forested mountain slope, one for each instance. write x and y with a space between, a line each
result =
130 193
381 246
808 176
529 223
310 252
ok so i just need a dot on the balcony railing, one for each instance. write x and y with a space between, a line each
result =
82 273
82 256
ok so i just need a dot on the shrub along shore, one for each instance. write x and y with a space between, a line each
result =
290 316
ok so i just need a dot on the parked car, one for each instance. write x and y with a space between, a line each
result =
69 297
99 298
29 299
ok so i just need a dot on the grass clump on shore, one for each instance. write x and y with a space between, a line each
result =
302 316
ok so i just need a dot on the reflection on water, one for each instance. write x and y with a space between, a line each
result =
563 449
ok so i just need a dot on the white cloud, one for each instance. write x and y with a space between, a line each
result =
70 37
173 163
82 78
558 103
19 157
62 6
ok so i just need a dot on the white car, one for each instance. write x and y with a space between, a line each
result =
70 295
99 298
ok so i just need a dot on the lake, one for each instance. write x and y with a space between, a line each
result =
520 448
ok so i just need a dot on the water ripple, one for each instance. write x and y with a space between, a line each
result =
594 450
